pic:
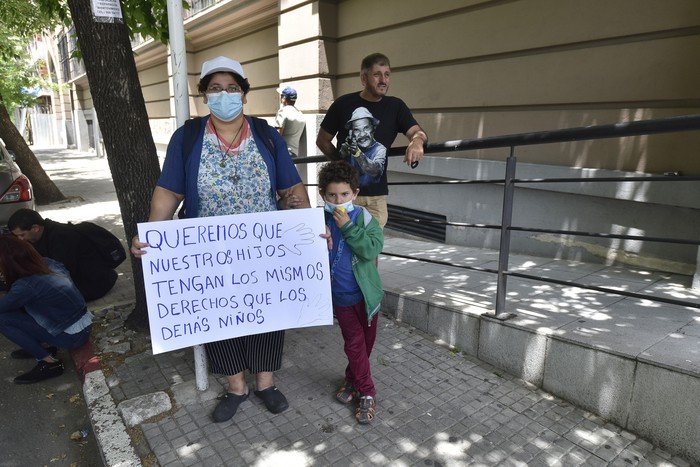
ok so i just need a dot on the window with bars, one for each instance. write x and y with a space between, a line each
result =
71 67
414 222
198 5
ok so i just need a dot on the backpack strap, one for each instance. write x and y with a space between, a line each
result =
191 131
262 128
192 127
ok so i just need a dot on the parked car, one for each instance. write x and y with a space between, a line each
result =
15 189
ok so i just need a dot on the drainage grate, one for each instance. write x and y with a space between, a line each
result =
414 222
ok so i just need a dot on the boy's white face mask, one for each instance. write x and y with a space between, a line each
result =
347 207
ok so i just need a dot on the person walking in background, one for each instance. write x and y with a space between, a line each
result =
355 239
388 116
290 121
64 243
42 306
238 165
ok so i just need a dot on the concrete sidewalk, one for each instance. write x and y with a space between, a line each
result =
437 405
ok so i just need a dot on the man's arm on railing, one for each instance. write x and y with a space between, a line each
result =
324 141
417 140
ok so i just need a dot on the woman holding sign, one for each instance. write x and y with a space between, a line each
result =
230 163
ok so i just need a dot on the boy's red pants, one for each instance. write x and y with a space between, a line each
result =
359 336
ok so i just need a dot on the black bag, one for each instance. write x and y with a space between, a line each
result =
110 247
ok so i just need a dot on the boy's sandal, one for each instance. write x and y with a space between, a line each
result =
365 410
346 394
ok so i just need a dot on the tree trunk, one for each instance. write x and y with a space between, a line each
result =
121 110
45 190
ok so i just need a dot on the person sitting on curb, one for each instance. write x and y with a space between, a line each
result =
42 306
62 242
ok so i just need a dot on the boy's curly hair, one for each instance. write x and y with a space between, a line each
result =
338 172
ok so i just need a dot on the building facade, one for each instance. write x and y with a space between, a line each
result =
471 69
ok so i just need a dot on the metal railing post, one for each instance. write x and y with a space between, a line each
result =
504 251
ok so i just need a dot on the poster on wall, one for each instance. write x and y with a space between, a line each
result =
214 278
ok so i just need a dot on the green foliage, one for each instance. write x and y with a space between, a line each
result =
17 73
19 21
20 18
149 18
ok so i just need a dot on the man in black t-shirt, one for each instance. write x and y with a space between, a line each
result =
366 124
62 242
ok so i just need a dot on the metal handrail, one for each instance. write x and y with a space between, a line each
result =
617 130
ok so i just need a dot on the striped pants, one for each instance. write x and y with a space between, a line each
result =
256 353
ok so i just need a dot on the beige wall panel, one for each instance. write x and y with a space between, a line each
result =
652 154
376 14
156 92
262 73
155 74
262 43
155 85
158 109
504 28
299 24
82 97
615 73
305 59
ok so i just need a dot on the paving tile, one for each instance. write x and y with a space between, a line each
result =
435 407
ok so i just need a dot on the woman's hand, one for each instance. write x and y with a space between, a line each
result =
290 201
137 247
294 197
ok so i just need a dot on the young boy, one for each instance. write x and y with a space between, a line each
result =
355 239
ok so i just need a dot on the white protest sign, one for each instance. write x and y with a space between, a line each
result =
214 278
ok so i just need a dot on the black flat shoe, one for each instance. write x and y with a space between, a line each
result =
21 354
274 399
227 406
43 370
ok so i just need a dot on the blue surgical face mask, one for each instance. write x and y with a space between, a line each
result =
330 207
225 106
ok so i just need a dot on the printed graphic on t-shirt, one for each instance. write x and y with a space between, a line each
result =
365 153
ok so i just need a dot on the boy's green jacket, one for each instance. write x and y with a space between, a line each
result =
366 239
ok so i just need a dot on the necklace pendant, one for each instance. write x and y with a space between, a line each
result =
222 164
